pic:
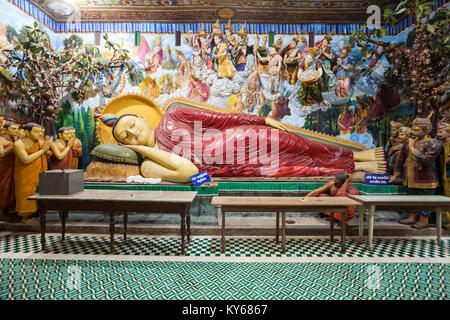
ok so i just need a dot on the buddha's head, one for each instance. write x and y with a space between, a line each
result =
65 134
33 131
12 129
130 129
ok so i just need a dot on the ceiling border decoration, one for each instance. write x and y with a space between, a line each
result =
161 27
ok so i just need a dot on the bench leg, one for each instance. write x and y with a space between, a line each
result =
332 226
183 232
111 232
371 218
361 222
188 221
42 213
63 215
283 234
125 222
343 218
277 233
223 231
439 225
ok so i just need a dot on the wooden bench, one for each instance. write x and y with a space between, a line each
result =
283 205
410 203
114 201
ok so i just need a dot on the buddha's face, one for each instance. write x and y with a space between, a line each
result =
65 135
132 130
13 130
273 51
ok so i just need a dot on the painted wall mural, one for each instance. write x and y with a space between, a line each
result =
287 80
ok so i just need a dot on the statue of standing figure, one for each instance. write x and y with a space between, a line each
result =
7 197
30 159
417 161
62 150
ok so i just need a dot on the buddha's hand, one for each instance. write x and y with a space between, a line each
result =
275 124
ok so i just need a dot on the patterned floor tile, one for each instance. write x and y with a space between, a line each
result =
70 279
235 247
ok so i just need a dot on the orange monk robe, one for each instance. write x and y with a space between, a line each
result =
7 179
26 179
77 153
344 190
64 163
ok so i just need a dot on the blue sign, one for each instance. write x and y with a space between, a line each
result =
376 179
200 178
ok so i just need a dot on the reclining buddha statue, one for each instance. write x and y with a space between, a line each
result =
189 140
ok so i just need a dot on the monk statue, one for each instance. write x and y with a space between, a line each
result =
62 157
189 140
77 151
7 139
30 159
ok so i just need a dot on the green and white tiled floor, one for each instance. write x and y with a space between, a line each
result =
236 247
252 268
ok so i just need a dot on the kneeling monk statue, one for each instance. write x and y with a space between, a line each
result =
231 145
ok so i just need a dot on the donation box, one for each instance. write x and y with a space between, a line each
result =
61 181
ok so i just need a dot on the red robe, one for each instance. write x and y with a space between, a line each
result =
64 163
225 134
344 191
7 196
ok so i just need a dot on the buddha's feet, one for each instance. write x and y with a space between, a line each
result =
376 154
370 166
371 161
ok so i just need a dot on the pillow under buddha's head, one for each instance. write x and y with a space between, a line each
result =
115 153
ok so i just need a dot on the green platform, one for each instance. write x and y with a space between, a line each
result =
224 187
